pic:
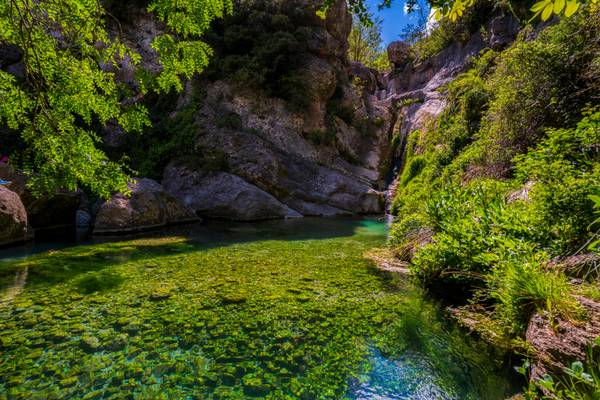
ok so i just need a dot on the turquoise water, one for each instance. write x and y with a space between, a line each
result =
276 310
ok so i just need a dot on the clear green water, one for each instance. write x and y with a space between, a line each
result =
277 310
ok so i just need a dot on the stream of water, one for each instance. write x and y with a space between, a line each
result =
275 310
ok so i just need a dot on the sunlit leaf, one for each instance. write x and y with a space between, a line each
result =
558 6
539 6
547 12
572 7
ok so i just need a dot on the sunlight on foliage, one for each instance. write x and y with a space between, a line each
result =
69 89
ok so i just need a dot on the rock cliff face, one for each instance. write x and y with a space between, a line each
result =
326 158
333 156
412 92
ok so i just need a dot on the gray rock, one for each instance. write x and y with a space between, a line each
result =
149 206
83 219
222 195
398 53
320 78
339 23
13 218
50 212
502 30
270 151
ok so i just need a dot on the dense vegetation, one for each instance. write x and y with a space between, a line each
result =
366 45
504 185
69 88
263 45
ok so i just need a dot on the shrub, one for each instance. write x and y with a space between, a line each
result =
578 382
537 84
170 136
414 168
520 287
566 169
321 137
262 47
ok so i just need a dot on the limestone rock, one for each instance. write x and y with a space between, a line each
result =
339 23
13 218
320 78
223 195
148 207
398 53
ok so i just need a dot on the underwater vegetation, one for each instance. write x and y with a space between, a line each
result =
170 318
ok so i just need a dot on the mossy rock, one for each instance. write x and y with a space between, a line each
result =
90 344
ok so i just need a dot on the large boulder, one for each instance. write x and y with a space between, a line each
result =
52 212
398 53
13 218
222 195
148 206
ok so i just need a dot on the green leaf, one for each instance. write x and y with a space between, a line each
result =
558 6
577 366
572 6
547 12
539 6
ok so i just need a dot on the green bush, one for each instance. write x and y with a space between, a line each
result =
566 169
537 84
262 46
520 287
173 134
229 120
321 137
414 168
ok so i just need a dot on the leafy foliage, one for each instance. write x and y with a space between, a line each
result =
366 45
70 87
453 10
579 382
547 8
263 46
505 180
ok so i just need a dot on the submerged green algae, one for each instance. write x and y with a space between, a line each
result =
170 318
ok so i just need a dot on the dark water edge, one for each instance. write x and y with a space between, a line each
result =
413 351
209 231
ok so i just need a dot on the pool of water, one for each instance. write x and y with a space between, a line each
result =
276 310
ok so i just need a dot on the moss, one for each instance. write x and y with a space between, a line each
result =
269 318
